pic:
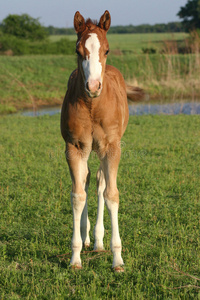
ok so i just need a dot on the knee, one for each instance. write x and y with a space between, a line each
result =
78 200
111 195
112 206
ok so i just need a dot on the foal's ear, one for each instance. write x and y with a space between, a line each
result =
79 22
105 21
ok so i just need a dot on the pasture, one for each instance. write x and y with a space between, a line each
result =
159 209
134 42
36 80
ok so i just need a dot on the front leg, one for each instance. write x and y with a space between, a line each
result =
78 202
77 161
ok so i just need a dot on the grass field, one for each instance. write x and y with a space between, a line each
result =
30 81
159 213
27 80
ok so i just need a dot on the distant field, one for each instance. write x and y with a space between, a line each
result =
133 42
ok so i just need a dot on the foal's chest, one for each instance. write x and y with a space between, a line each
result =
104 133
94 129
95 135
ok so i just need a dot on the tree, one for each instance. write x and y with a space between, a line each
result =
24 26
190 13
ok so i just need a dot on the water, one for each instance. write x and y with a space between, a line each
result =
41 112
190 108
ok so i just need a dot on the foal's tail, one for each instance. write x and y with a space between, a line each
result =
136 94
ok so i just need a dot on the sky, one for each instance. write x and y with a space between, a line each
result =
60 13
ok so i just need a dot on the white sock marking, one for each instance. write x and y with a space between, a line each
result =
115 239
99 227
77 206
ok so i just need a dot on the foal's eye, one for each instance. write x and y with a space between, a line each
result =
107 52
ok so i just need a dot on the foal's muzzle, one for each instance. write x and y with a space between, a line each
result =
93 88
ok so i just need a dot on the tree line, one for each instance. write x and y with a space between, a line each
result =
25 26
144 28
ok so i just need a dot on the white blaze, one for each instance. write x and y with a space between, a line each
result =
92 66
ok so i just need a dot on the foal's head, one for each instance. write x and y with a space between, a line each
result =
92 49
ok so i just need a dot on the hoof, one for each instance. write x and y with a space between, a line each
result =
86 245
118 269
76 267
99 249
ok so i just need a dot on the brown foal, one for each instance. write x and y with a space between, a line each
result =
94 117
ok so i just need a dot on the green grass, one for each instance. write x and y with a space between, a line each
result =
159 188
40 79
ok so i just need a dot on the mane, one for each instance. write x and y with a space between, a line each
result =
91 23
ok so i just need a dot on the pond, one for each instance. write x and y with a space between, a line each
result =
188 108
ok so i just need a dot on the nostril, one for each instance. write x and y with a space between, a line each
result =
93 86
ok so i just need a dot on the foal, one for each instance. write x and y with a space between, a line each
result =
94 116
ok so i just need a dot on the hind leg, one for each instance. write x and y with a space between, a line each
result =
111 195
99 227
85 223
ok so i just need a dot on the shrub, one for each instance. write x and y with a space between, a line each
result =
65 46
24 27
149 50
10 42
62 46
23 47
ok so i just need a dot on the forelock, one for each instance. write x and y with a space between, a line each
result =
91 24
